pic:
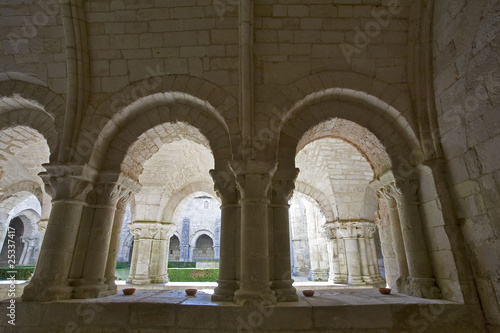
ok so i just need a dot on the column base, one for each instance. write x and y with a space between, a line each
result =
340 279
425 288
356 280
160 279
42 291
259 293
224 292
89 288
319 275
139 280
377 279
284 291
110 282
368 279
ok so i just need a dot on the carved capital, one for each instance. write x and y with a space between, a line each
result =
64 182
224 186
354 229
331 230
106 194
253 178
42 226
370 230
152 230
283 185
391 192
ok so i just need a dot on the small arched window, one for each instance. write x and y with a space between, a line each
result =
206 204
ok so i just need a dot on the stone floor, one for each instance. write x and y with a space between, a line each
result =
329 310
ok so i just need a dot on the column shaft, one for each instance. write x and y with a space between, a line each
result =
253 179
226 283
353 261
114 246
50 279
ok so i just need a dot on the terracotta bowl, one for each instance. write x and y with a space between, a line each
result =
128 291
385 291
191 292
308 293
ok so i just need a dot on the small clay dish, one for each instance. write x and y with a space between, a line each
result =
385 291
308 293
128 291
191 292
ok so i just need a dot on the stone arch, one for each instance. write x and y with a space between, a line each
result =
362 139
197 235
136 124
30 218
174 249
27 101
215 106
378 117
9 207
25 186
171 206
324 203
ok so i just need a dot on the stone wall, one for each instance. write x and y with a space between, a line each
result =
467 89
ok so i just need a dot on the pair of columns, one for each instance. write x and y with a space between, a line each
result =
255 241
79 250
353 256
149 261
415 271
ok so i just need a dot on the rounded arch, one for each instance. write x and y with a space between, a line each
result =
27 101
198 234
24 186
319 197
176 234
136 124
18 202
189 192
30 219
165 99
359 137
381 119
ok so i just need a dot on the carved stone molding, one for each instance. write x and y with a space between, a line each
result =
253 178
224 186
283 185
64 182
152 230
349 229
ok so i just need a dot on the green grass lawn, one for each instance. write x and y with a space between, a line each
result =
122 274
179 274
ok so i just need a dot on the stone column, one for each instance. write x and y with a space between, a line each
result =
225 187
350 232
422 282
114 244
397 239
372 254
149 263
27 257
365 269
158 270
68 187
283 186
338 268
184 241
94 241
253 179
42 227
217 240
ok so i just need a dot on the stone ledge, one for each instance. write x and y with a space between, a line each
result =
342 310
